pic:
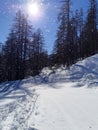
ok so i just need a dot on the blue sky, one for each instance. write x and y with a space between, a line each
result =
48 23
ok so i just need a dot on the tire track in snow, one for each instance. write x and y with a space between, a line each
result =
32 106
25 110
22 109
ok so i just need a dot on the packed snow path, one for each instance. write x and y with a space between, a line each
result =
50 107
67 108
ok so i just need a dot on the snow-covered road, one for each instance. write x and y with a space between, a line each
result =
56 106
67 108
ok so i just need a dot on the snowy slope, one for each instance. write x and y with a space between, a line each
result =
59 100
84 72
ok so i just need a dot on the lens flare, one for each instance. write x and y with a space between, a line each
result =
33 9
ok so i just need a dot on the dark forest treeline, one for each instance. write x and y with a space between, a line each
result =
23 53
77 37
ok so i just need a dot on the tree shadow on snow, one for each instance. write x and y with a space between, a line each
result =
7 90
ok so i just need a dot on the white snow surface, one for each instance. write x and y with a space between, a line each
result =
63 99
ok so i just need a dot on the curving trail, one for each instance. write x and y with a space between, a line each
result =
56 106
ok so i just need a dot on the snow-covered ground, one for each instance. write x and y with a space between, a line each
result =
59 100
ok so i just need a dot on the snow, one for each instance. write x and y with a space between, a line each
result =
67 108
63 99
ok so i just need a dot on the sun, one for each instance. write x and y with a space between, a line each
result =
33 9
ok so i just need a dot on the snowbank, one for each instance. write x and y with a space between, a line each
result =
84 72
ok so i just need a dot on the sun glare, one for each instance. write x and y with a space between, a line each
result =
33 9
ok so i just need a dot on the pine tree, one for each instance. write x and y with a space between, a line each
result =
22 30
90 30
2 68
38 56
16 47
61 49
10 56
81 35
